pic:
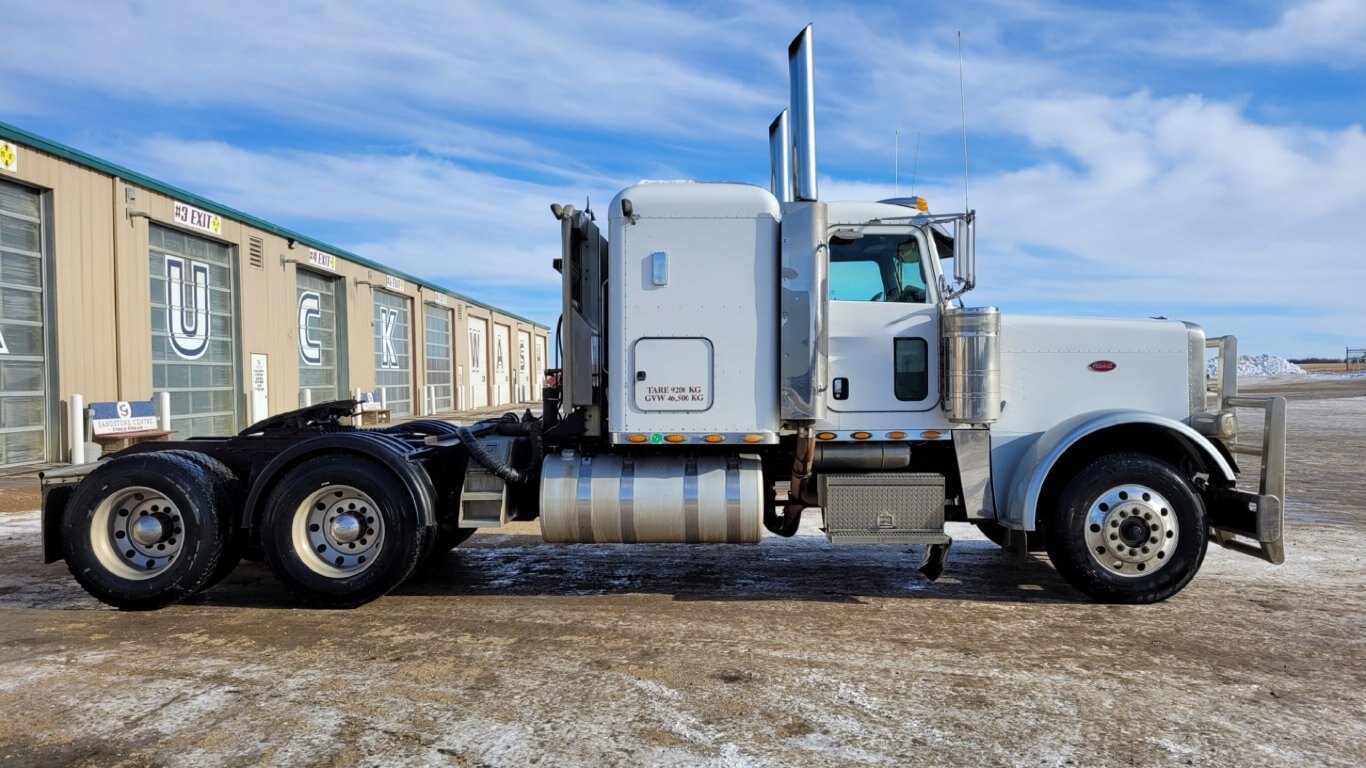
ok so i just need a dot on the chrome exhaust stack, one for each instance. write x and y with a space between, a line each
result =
802 81
780 158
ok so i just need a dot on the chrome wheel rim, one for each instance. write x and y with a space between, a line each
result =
1131 531
137 533
338 531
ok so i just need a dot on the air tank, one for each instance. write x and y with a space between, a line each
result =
972 364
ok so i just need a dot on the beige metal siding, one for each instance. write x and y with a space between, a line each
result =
100 288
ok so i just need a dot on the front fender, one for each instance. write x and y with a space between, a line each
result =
1027 481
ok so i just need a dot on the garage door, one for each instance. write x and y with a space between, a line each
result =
23 379
523 366
538 373
393 351
502 365
318 338
440 376
479 371
194 340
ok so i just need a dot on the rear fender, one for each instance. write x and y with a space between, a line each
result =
57 486
1039 461
385 450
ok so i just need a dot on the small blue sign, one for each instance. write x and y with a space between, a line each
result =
123 416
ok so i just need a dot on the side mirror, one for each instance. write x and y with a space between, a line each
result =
965 251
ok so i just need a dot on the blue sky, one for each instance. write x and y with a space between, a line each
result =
1203 161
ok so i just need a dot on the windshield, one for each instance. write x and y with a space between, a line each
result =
876 266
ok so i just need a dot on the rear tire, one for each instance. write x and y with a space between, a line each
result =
226 489
1129 528
339 531
145 531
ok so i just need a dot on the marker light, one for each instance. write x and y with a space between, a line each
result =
714 439
862 435
896 435
754 438
674 438
826 435
638 438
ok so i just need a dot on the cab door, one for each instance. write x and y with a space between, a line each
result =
883 322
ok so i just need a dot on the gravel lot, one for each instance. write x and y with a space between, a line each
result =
791 652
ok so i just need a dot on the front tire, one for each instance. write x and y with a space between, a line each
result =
1129 528
145 531
339 531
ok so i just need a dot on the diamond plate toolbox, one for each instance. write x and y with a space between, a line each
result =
890 508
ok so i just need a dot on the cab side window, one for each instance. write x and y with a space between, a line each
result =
876 267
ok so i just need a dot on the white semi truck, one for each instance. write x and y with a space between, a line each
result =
730 357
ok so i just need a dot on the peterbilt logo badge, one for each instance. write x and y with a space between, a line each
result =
1102 366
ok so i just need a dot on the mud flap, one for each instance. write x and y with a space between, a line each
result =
1017 545
933 561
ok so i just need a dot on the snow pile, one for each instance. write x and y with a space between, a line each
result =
1259 365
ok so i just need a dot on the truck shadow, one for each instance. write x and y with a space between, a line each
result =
804 568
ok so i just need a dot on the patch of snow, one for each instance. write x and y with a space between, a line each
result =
1258 365
19 524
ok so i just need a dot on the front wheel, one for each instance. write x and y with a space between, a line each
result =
1129 528
340 531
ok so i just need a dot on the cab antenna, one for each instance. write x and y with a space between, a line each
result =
963 116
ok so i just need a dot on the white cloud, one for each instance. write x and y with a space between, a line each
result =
1332 31
403 68
443 131
1150 204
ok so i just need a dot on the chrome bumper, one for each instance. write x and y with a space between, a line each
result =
1260 516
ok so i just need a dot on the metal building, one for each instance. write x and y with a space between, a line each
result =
117 287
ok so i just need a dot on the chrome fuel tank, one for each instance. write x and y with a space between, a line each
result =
612 498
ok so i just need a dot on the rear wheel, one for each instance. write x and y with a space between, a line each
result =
1129 528
145 531
340 531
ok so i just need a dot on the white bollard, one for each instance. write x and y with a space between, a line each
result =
164 411
308 398
77 422
383 398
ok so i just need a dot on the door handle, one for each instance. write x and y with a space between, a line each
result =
841 388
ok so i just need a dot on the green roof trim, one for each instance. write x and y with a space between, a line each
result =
34 141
